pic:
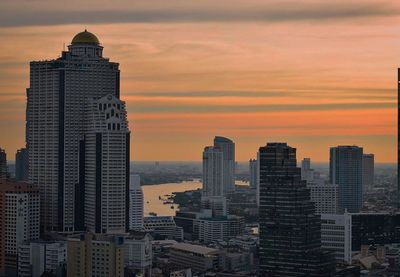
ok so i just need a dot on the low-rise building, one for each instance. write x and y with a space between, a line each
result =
138 254
163 227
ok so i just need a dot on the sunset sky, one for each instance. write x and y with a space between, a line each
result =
312 73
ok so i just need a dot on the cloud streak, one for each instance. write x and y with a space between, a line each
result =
230 13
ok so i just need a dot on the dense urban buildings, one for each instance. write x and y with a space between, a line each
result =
3 165
105 169
289 227
227 147
19 221
136 203
60 94
22 165
368 165
345 170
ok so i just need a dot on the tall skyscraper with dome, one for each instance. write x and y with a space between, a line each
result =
60 110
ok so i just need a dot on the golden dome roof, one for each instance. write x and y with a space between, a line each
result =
85 37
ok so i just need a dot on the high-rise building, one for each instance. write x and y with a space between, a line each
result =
105 153
368 168
253 168
135 203
213 163
19 221
22 165
95 255
290 234
3 165
307 173
39 256
60 93
345 170
227 147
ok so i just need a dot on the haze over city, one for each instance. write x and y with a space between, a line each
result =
315 75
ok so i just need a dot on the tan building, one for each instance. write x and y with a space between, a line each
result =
19 222
97 255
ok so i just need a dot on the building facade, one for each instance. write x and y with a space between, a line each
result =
138 254
19 221
163 227
307 173
345 170
288 224
227 147
368 169
324 196
22 165
253 169
3 165
136 203
58 97
213 176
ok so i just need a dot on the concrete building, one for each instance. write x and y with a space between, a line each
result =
307 173
227 147
368 171
198 258
3 165
325 197
213 162
136 204
19 221
336 235
58 97
138 254
38 257
104 171
253 169
345 170
98 255
217 205
22 165
287 217
163 227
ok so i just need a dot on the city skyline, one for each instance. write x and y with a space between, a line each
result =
271 77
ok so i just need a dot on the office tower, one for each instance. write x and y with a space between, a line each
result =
21 165
336 235
345 170
307 173
227 147
368 169
3 165
135 203
213 172
39 256
19 221
138 254
105 153
290 235
58 97
95 255
324 196
253 168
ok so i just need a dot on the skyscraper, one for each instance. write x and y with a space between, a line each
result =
227 146
135 203
106 166
253 173
58 97
345 170
21 165
307 173
290 235
368 168
3 165
213 163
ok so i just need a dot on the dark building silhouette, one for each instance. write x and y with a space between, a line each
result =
398 137
3 165
290 232
346 171
22 165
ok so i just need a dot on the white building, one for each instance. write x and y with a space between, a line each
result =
19 221
307 173
336 235
213 184
214 229
138 253
58 95
325 197
136 203
253 169
163 226
37 257
227 146
106 154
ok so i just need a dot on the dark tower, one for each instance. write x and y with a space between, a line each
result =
290 232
